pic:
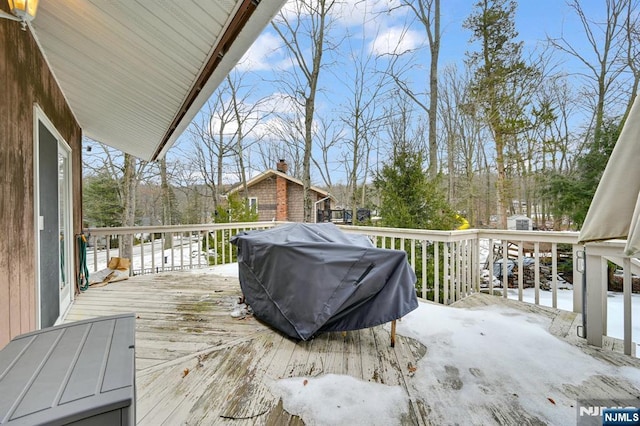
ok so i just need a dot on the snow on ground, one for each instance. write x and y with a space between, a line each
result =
334 399
228 270
185 252
463 346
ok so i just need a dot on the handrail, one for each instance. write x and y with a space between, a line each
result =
450 265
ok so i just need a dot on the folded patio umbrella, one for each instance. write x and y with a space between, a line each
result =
615 208
304 279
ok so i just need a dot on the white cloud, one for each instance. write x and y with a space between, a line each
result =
265 54
369 12
396 40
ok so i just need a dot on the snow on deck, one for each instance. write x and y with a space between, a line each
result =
485 360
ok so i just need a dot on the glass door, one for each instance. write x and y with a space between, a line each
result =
65 228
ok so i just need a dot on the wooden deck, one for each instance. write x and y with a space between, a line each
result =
198 365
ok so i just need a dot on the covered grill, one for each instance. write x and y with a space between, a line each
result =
304 279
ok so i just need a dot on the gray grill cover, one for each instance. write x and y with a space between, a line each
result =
308 278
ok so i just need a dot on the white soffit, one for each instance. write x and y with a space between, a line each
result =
127 67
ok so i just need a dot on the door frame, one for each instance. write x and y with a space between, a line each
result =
39 116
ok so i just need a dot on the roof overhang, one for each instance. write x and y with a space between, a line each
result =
271 172
136 72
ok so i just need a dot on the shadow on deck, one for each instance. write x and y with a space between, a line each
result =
195 364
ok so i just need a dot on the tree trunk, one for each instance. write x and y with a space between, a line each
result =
433 92
128 203
167 207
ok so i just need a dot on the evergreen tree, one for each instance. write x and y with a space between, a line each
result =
101 201
236 210
409 199
571 194
501 80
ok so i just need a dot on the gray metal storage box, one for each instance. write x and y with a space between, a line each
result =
82 373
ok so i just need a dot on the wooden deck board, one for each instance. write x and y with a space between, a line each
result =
195 364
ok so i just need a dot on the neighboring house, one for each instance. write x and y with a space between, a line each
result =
114 71
277 196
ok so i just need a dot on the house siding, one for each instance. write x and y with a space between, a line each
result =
26 81
295 206
266 192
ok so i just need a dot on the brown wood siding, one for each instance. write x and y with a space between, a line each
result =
265 192
295 204
25 80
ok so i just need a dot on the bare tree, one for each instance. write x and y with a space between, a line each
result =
213 136
361 116
128 172
427 12
304 35
463 131
612 50
329 137
287 140
247 115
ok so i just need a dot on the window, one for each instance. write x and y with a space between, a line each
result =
253 204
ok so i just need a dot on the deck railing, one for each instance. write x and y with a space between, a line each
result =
449 265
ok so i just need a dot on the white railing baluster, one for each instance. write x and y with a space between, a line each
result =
141 255
215 244
454 265
491 254
505 267
153 252
536 272
445 283
520 270
436 272
554 275
413 254
424 271
458 268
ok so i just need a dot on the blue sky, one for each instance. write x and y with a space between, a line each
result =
374 30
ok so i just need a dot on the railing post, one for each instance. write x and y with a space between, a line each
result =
626 297
578 271
595 271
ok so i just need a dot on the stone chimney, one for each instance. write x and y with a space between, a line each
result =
282 166
282 204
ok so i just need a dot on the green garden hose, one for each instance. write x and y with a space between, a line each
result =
83 276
